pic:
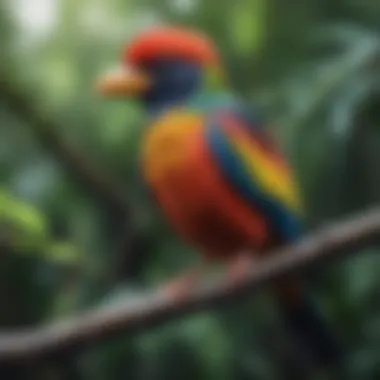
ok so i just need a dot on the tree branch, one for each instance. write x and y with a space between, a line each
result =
334 241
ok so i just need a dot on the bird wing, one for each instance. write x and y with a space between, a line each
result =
255 168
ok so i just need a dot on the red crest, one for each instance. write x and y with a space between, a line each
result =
171 42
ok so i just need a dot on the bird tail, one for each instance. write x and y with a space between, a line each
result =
307 325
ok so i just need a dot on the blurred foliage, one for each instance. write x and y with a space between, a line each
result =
312 66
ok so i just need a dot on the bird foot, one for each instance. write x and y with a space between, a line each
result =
180 288
239 268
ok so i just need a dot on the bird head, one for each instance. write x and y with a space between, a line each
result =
164 67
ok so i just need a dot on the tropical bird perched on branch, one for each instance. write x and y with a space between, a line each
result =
214 170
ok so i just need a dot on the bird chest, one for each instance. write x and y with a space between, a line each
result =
169 145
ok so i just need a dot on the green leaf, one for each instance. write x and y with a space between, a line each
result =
23 225
64 253
247 25
26 229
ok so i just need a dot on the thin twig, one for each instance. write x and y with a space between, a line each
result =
334 241
93 178
111 197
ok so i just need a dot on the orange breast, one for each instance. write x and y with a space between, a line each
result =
193 195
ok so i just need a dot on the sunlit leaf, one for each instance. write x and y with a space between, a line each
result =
24 225
247 25
64 253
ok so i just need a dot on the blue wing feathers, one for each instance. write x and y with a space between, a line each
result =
284 222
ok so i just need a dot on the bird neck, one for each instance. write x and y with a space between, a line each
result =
212 93
155 109
210 88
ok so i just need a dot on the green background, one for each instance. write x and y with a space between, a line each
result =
67 233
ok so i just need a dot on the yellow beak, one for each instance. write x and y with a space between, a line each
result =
124 83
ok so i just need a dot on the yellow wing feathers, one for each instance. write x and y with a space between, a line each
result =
274 179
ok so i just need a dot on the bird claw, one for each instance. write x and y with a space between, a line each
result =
179 289
239 268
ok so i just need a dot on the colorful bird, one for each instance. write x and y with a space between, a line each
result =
214 170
